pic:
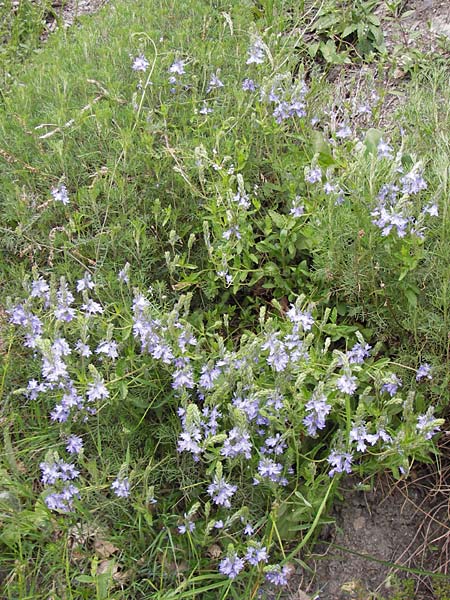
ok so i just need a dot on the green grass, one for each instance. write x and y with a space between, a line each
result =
22 26
130 160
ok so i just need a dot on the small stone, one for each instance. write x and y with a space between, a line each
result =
359 523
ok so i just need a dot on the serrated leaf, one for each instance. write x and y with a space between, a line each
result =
278 219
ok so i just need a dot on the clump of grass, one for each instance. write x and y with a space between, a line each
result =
22 25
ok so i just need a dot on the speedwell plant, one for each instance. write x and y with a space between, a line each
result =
268 420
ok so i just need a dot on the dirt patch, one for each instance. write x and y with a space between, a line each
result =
67 12
75 8
416 23
403 523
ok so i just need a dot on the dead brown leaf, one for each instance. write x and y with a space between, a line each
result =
214 551
107 566
104 549
122 577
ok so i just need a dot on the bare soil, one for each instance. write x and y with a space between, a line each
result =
69 10
417 23
396 531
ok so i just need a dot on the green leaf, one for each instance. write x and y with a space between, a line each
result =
303 499
374 20
411 297
378 37
362 28
349 29
271 269
372 140
123 389
85 579
279 220
403 273
328 51
320 146
313 49
326 21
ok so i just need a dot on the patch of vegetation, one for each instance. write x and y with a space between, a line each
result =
345 31
222 291
22 24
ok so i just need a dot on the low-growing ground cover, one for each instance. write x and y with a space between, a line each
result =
222 290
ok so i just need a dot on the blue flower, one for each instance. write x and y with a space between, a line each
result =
391 386
183 378
39 288
214 83
424 370
121 487
248 85
59 469
432 209
426 424
74 444
189 441
413 182
277 575
108 348
256 554
347 384
358 434
85 283
318 409
297 209
62 501
188 526
60 194
269 469
97 390
232 565
343 132
177 67
91 307
256 52
340 462
123 275
221 492
313 175
384 150
358 353
140 63
300 317
238 442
